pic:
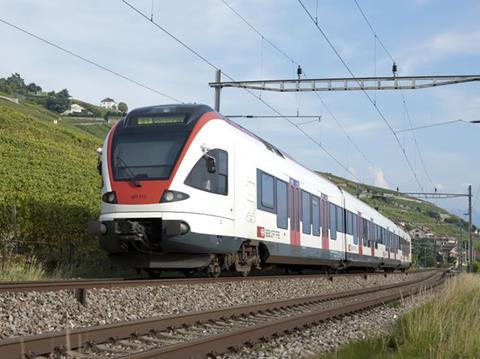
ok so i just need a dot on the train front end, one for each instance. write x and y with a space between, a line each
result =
140 210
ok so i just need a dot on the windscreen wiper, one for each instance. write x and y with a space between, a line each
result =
129 171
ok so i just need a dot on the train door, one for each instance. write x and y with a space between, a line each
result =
389 242
360 233
324 211
372 236
294 211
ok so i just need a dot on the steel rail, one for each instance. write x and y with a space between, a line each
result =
75 338
212 345
54 285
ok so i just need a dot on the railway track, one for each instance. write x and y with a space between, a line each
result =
56 285
206 333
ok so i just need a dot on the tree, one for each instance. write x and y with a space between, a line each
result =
58 102
33 88
122 107
13 84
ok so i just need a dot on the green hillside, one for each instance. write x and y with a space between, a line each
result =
95 128
88 126
411 211
49 172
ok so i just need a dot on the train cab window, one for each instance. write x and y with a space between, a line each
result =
306 213
316 216
282 204
332 221
205 178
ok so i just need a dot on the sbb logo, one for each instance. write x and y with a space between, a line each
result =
260 232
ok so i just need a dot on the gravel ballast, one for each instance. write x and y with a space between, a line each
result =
24 313
332 334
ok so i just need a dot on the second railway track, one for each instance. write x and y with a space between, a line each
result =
56 285
199 334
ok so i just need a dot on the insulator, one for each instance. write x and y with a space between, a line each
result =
299 71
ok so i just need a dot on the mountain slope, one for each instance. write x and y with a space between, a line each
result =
407 210
49 173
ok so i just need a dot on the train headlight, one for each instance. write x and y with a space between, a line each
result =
109 197
168 196
184 228
173 196
103 229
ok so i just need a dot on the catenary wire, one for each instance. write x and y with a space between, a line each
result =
292 60
377 109
404 101
91 62
204 59
373 31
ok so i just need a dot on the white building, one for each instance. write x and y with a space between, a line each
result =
74 108
108 103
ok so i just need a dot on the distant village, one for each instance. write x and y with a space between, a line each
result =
14 89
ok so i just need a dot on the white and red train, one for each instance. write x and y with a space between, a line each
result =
185 188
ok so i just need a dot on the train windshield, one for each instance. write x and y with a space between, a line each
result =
146 155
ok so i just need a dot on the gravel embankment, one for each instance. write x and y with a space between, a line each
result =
40 312
332 334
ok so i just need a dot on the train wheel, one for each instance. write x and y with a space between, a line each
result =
245 274
189 273
154 273
214 269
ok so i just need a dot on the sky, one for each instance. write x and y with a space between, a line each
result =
425 37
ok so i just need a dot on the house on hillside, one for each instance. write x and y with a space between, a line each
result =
74 108
421 232
108 103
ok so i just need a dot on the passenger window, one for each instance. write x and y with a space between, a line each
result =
340 220
316 215
365 232
282 205
332 221
349 222
354 229
267 191
217 182
306 214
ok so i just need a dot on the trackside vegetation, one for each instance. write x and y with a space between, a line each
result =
49 173
444 328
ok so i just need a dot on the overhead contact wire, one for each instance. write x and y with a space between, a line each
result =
196 53
377 109
91 62
377 38
292 60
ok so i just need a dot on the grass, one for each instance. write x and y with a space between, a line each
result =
49 172
446 327
19 268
